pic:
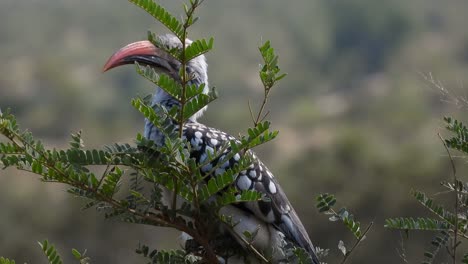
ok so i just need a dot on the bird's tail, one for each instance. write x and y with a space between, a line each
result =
313 254
293 228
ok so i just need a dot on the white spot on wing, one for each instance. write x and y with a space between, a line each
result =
209 150
207 167
237 157
253 174
225 165
198 134
195 142
243 182
214 142
203 157
272 187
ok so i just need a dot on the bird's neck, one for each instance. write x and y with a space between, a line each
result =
162 98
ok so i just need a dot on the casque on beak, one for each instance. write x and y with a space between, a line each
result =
142 51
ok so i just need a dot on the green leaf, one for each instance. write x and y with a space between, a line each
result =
6 261
437 243
216 184
8 125
301 256
270 71
421 223
231 196
163 16
159 116
111 182
50 252
197 48
325 202
465 259
147 72
196 104
175 52
193 90
353 226
171 180
76 254
9 148
258 135
435 208
37 167
77 141
168 84
460 140
164 256
172 256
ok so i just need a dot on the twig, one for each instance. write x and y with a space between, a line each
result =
262 107
348 254
265 116
402 253
104 174
257 254
251 112
455 180
184 80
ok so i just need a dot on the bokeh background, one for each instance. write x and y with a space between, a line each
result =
358 114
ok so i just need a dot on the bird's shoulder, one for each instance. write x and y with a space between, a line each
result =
256 176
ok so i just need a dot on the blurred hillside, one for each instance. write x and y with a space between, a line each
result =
356 116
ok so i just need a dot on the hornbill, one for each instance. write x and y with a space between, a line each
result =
275 222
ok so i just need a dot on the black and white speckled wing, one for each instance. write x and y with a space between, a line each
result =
279 212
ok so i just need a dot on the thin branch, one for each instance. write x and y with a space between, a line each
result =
452 162
184 80
103 175
265 116
402 253
262 107
358 241
249 245
251 111
447 95
210 255
456 209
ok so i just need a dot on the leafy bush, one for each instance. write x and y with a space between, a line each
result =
450 225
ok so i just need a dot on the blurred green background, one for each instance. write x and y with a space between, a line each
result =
357 115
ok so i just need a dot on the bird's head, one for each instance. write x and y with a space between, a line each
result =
146 53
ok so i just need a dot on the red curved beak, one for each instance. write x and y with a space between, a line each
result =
140 48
